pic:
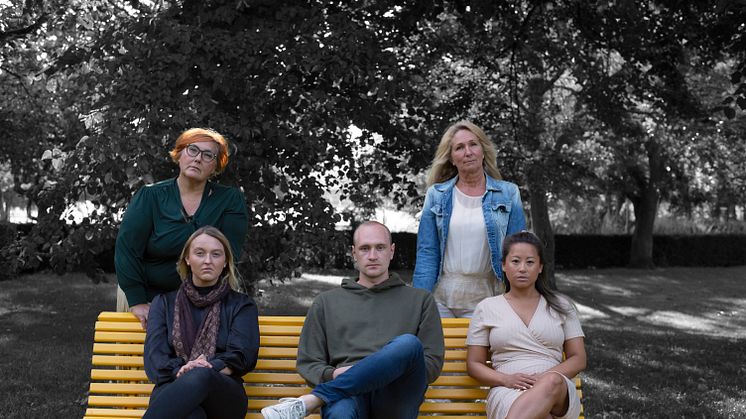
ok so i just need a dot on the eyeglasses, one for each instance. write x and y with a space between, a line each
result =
207 155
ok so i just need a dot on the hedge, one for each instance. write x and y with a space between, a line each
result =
572 251
595 251
8 256
602 251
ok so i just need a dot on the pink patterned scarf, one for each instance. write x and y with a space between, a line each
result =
189 342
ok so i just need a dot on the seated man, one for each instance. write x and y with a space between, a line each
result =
371 347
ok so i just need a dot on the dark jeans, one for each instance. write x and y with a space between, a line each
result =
389 384
201 393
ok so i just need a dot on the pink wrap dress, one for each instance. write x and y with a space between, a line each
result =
516 347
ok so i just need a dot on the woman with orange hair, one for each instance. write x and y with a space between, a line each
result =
161 217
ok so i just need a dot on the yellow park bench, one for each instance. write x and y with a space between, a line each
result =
120 389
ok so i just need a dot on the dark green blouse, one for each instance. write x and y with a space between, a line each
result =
155 228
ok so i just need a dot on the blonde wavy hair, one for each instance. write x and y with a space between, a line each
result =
229 272
441 169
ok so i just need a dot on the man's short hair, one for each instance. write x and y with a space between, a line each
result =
372 223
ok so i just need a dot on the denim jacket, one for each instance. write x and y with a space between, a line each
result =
503 215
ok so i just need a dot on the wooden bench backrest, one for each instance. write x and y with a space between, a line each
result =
120 389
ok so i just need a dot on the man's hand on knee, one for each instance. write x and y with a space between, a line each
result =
340 370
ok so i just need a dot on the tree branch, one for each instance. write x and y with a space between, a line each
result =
569 89
19 77
512 46
21 32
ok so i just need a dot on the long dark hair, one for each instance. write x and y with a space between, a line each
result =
542 283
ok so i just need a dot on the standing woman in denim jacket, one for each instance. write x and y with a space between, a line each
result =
468 211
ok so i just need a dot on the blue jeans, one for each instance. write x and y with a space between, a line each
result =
390 383
198 394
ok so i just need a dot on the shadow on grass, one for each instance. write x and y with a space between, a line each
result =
292 298
666 343
653 372
47 338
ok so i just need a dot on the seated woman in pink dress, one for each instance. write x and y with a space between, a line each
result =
525 331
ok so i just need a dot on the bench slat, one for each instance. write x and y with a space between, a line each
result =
119 401
95 413
452 407
454 367
108 417
116 326
124 337
117 361
119 316
453 417
456 393
273 378
274 393
137 361
286 341
120 388
119 375
118 348
288 353
455 343
283 320
112 413
283 391
264 352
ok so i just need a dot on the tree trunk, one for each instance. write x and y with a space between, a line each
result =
641 253
542 226
537 176
646 209
5 205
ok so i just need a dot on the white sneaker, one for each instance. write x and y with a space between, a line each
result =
288 408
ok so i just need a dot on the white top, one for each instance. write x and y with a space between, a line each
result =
467 276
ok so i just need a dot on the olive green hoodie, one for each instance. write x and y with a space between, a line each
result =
346 324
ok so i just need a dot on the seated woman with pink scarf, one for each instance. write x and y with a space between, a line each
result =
202 338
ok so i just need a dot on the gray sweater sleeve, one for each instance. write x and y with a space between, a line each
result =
313 359
431 335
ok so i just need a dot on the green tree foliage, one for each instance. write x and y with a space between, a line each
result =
512 67
40 104
282 82
642 89
582 98
728 34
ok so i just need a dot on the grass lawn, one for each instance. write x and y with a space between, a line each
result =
666 343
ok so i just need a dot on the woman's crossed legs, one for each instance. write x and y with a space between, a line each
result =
547 398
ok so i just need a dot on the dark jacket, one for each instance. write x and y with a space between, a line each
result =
237 344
